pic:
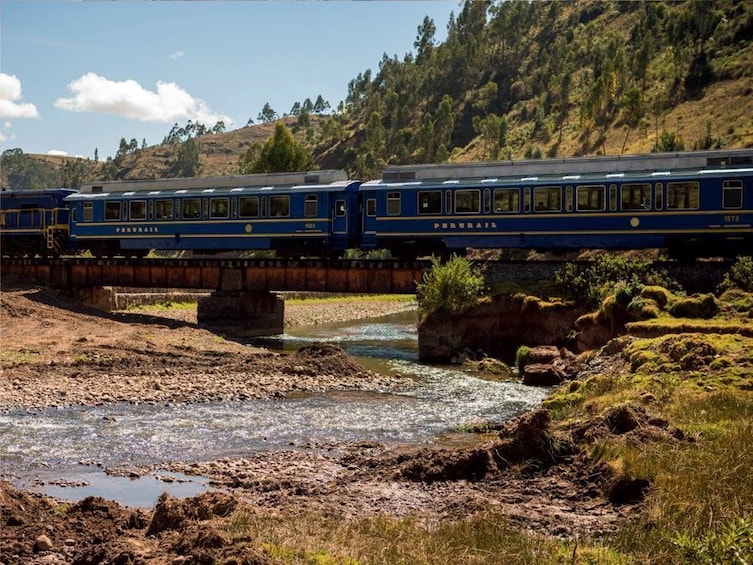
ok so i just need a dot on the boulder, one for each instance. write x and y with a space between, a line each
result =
542 374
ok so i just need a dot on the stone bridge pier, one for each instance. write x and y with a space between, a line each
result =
243 313
235 309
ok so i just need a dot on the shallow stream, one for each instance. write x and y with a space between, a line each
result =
63 452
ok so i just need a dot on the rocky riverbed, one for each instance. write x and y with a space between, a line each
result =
57 353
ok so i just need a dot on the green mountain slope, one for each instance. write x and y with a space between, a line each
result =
512 79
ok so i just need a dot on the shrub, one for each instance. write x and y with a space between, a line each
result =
606 274
523 357
451 287
732 544
739 276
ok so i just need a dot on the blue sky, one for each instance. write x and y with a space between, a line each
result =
75 76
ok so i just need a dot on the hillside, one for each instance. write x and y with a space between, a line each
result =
512 80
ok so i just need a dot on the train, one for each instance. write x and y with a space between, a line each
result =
692 204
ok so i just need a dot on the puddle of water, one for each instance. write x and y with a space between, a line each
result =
141 492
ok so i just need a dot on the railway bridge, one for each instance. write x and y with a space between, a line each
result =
244 292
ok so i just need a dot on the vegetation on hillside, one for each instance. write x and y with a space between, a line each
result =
511 80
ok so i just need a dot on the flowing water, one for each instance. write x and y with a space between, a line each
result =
63 452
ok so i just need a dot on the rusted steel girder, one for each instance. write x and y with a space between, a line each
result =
382 277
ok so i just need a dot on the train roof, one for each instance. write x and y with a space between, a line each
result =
218 182
559 179
172 192
30 192
572 166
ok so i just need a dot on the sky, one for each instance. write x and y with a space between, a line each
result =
76 76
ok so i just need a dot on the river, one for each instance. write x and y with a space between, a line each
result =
64 452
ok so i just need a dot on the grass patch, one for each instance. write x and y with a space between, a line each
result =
164 306
355 298
22 356
699 507
485 538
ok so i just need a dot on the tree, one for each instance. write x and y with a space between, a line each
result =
122 148
425 40
187 163
484 97
444 123
267 114
281 153
320 105
96 155
489 129
26 173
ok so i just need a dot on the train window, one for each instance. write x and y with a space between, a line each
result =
487 201
506 200
137 209
430 202
613 197
339 208
191 208
371 207
219 207
467 201
163 210
732 194
658 200
393 203
448 202
279 206
88 211
548 198
112 210
683 195
591 198
569 199
311 205
249 206
635 196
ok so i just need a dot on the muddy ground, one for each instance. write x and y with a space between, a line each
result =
56 353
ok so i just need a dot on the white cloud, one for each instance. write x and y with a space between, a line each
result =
170 103
7 127
57 152
10 99
176 55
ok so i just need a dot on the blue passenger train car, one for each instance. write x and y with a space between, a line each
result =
294 214
34 222
692 204
702 210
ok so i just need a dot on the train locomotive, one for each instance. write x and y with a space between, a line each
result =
691 204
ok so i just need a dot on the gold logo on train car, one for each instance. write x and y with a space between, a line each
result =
464 225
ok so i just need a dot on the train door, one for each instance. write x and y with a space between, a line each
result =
368 208
340 220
